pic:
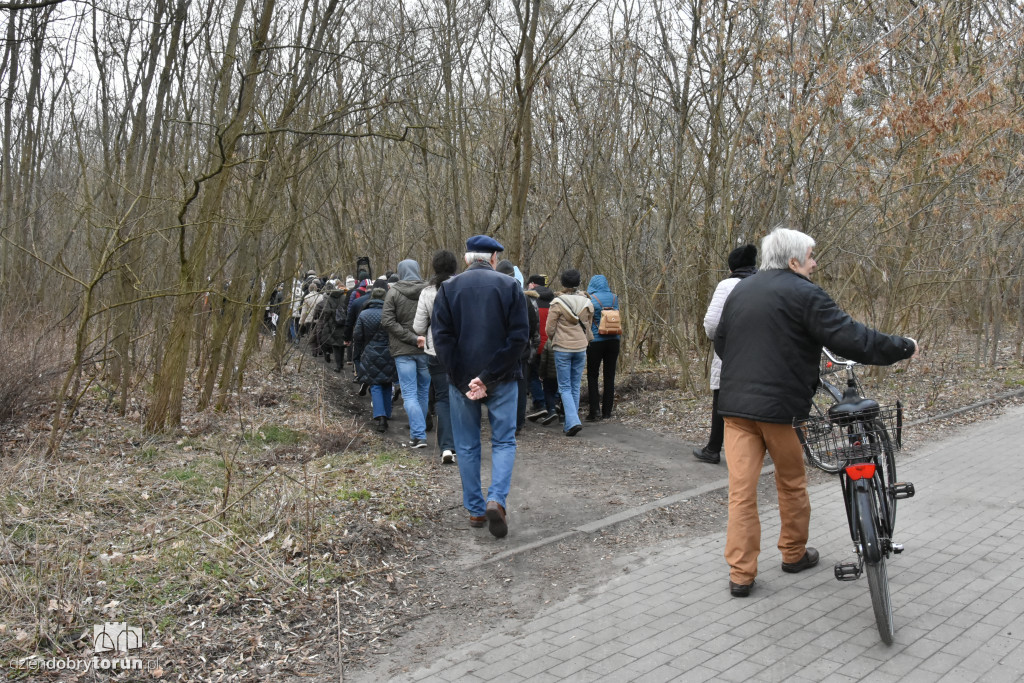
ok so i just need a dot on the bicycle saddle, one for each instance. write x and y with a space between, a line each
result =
852 407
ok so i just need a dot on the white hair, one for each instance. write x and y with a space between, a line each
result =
472 256
782 244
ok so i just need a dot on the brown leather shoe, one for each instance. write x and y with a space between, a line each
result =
496 517
477 522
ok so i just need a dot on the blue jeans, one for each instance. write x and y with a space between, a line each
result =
536 386
380 394
442 405
501 412
414 378
569 366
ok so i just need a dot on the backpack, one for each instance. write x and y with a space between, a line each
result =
611 320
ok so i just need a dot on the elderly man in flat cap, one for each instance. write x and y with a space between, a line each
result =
480 328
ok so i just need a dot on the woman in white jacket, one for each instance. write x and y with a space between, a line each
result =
444 264
742 263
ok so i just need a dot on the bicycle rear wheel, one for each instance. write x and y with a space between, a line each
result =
874 562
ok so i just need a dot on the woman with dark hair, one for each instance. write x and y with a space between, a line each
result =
568 328
742 264
444 264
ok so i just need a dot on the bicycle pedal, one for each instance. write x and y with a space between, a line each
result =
897 548
903 490
848 571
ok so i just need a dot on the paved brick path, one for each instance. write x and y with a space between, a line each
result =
957 591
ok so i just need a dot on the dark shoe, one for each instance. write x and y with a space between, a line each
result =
430 422
477 522
606 416
496 517
551 417
417 443
363 388
537 414
382 424
574 430
809 559
704 455
592 417
740 590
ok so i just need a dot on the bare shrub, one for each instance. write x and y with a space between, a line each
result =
32 359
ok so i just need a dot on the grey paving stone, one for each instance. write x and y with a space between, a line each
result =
662 674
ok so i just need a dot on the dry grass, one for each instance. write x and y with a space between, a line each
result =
232 544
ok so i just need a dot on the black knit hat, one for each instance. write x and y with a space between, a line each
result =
571 278
742 257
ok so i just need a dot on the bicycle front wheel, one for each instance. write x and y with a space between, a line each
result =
874 562
826 460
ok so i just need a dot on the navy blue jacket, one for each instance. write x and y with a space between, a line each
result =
480 326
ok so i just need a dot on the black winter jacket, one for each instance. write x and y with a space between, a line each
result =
333 331
773 327
370 351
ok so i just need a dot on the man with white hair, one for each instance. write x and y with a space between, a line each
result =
480 327
773 327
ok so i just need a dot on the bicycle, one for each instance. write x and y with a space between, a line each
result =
854 438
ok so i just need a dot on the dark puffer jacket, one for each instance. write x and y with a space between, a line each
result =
370 351
770 337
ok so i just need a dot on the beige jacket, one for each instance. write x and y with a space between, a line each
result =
565 314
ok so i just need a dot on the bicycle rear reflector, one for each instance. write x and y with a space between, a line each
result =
862 471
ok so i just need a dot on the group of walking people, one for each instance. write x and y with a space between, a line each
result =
454 338
383 327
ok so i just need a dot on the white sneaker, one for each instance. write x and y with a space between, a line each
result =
448 457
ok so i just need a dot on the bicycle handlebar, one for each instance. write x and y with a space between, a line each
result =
837 360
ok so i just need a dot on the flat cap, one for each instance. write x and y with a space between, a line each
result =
483 244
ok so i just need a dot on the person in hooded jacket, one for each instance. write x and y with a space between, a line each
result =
332 330
603 349
742 264
371 355
309 302
317 335
445 265
407 348
569 333
505 267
